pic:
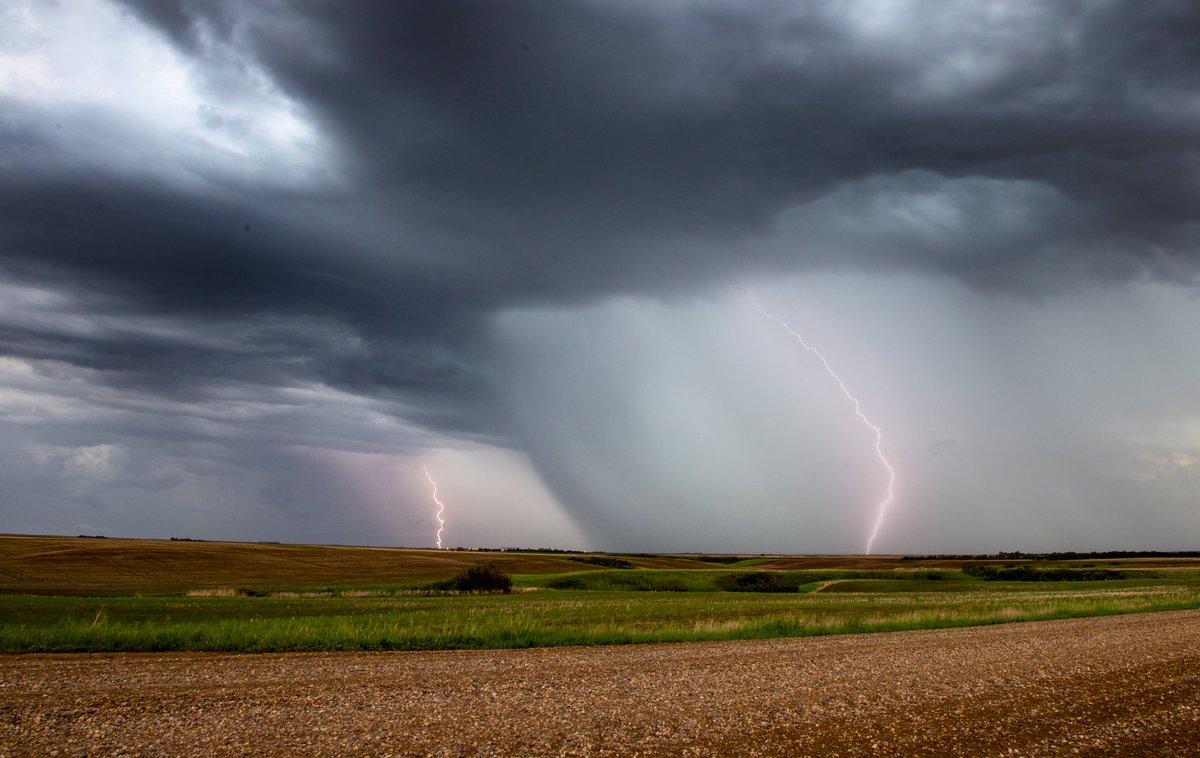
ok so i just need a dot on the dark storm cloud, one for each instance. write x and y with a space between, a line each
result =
561 141
500 154
250 298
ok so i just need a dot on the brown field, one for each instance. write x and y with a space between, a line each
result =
87 565
1121 685
81 565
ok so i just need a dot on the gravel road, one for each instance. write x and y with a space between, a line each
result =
1123 685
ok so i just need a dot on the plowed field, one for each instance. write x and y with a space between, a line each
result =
1122 685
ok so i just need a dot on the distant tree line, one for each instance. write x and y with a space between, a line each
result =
515 550
1065 556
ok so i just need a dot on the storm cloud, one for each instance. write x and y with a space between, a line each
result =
265 259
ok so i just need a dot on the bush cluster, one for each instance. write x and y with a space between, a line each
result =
596 560
762 581
1031 574
483 579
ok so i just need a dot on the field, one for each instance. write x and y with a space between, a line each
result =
1117 685
88 594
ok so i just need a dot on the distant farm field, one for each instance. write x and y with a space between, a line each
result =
86 594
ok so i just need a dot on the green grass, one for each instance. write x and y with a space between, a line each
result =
559 617
62 594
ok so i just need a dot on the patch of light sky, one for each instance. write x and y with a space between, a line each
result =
58 63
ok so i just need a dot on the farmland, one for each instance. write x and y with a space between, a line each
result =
87 594
1116 685
236 648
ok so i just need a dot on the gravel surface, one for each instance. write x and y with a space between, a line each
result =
1122 685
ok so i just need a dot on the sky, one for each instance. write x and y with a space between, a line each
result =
263 263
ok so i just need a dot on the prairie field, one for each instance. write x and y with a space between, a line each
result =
88 594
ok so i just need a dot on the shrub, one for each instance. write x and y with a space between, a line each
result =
761 581
483 579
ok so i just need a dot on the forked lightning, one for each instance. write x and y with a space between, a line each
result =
441 507
891 486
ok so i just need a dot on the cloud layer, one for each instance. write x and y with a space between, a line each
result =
230 230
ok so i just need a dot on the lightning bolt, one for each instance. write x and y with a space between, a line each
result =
891 487
440 505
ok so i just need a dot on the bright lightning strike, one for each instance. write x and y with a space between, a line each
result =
440 505
891 494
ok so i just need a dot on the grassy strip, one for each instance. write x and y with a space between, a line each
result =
532 620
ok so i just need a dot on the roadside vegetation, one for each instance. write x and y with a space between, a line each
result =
479 601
